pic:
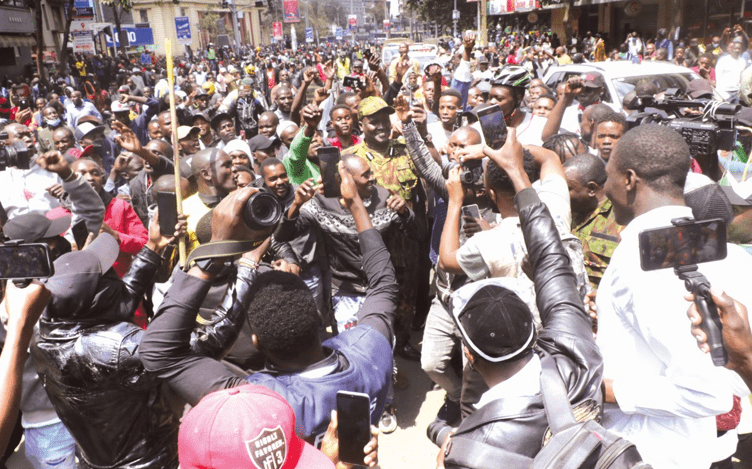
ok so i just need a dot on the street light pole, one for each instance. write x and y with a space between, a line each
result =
454 20
235 29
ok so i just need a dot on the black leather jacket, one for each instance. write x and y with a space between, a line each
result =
518 424
89 361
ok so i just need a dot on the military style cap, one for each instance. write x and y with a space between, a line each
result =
371 105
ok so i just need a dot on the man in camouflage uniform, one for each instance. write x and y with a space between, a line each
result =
593 219
395 171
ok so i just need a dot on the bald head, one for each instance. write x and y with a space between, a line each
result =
160 148
468 135
203 159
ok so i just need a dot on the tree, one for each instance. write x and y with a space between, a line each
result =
436 10
39 28
118 8
63 57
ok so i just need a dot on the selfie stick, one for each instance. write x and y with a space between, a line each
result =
176 153
698 285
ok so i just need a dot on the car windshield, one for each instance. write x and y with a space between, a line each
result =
665 81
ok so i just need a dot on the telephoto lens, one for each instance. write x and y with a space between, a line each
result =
262 211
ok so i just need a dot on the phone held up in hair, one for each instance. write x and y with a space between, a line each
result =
168 212
25 261
351 82
683 245
493 126
328 159
354 426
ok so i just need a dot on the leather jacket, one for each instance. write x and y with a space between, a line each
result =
90 367
518 424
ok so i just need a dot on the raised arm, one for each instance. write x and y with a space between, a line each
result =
380 306
553 124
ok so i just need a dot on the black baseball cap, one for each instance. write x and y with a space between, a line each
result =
262 142
494 321
35 226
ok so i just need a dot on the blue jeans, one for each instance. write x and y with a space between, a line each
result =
346 307
50 447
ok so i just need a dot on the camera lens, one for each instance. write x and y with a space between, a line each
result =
467 177
262 211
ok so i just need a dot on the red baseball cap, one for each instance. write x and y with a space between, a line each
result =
248 426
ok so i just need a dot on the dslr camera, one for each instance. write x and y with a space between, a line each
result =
262 211
15 155
471 174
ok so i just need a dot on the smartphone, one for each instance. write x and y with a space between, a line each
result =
493 126
471 211
354 425
367 54
168 212
686 244
80 233
351 82
26 261
328 160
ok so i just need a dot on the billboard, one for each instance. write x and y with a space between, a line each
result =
136 37
183 29
308 34
277 31
292 15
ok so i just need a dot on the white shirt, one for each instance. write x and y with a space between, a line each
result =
668 391
501 251
728 73
439 136
525 382
25 191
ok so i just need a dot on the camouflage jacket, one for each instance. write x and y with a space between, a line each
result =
394 170
600 236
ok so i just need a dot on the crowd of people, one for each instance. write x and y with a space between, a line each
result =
485 258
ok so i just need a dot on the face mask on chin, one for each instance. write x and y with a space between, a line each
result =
52 123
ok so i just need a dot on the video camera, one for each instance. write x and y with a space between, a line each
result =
712 130
15 155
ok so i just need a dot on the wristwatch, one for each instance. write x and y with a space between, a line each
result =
211 266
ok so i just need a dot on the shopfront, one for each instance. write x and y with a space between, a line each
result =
16 38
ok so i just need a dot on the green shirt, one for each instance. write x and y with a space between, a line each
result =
600 236
394 170
299 168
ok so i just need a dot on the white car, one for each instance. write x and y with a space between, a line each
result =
621 77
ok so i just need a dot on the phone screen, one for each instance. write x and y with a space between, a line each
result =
494 128
168 212
26 261
328 159
675 246
354 419
80 233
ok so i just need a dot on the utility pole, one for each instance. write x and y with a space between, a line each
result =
455 17
235 29
352 12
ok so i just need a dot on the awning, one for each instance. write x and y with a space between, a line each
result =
8 40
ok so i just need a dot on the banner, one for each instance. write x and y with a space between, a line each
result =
308 34
82 9
352 23
386 26
277 31
136 37
339 34
291 11
183 29
83 42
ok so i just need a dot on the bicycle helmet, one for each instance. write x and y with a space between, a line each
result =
511 76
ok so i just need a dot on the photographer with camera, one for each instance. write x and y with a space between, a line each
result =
282 314
641 331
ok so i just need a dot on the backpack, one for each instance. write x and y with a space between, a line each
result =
572 445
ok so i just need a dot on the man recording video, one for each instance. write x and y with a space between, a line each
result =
662 393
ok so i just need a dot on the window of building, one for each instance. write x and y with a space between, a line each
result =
144 15
183 12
